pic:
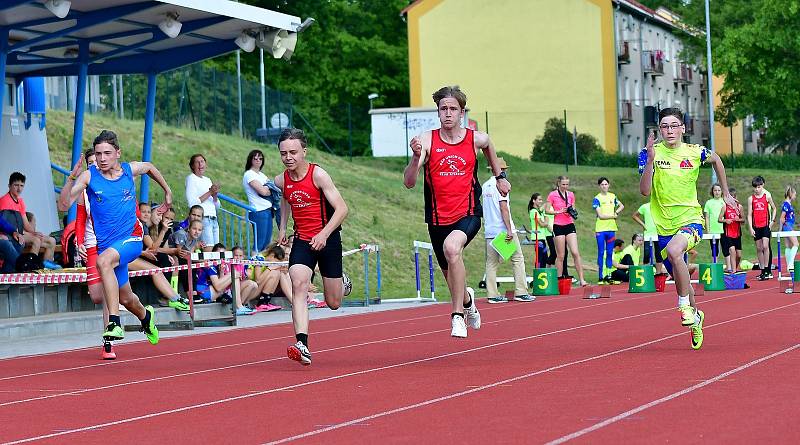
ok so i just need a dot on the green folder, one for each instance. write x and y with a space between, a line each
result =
505 249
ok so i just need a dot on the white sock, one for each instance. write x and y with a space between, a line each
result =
791 252
683 301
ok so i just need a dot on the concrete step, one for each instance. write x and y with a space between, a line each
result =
68 323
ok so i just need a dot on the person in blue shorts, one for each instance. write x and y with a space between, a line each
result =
111 191
787 225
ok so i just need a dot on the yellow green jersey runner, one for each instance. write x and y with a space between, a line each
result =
673 196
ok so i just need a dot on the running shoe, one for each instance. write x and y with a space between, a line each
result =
244 310
697 331
150 331
50 265
178 305
687 315
108 351
471 314
526 297
299 353
113 332
268 307
459 327
497 299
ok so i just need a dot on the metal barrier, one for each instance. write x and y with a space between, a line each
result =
63 172
235 229
780 235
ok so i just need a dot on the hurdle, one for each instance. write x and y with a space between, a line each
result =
780 235
421 245
367 249
230 320
715 237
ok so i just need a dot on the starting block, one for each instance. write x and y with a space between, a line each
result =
786 286
595 292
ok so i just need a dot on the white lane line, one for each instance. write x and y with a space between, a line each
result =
257 362
251 342
672 396
506 381
264 340
382 368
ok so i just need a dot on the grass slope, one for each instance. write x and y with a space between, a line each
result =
382 211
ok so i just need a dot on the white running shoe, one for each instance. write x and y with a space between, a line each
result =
471 314
459 327
299 353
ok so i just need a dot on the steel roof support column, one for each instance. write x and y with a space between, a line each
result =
3 56
80 106
149 116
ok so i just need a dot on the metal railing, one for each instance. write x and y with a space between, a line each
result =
63 172
653 62
235 229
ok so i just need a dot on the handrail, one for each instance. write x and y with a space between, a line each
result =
61 170
235 202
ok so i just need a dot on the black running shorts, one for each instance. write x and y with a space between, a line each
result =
329 258
470 225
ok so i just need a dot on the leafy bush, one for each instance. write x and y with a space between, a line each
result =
603 159
550 146
757 161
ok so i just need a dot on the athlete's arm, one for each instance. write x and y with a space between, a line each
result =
483 142
72 190
286 211
638 218
324 182
63 203
750 215
147 168
722 217
620 208
772 210
420 147
646 181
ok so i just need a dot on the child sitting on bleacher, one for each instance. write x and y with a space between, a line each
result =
214 284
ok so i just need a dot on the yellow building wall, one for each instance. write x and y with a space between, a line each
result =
520 62
722 134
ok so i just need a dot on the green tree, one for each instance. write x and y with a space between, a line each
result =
356 47
550 147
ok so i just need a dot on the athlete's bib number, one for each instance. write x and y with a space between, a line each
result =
543 283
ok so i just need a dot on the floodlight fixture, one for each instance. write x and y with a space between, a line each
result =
246 42
306 23
59 8
170 25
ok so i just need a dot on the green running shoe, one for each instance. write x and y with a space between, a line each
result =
178 305
697 331
151 331
113 332
687 315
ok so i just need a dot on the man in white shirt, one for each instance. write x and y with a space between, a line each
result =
497 218
201 191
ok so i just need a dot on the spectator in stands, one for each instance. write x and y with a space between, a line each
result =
274 280
214 285
10 246
181 244
261 197
148 260
623 259
160 229
14 211
201 191
195 213
248 289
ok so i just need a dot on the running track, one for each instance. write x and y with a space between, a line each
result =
560 369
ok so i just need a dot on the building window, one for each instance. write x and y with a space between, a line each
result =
661 97
637 98
627 148
626 89
638 145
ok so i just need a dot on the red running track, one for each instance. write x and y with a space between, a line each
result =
556 370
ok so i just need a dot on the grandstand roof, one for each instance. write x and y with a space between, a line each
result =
123 36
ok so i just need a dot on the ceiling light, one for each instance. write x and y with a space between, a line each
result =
59 8
170 25
246 42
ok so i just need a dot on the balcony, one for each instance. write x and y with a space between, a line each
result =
624 53
653 62
684 75
625 112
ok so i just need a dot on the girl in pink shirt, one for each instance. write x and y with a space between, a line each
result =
561 202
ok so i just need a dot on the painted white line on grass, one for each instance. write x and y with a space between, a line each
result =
257 362
506 381
383 368
264 340
672 396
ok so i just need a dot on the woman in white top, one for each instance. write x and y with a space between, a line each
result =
201 191
254 183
